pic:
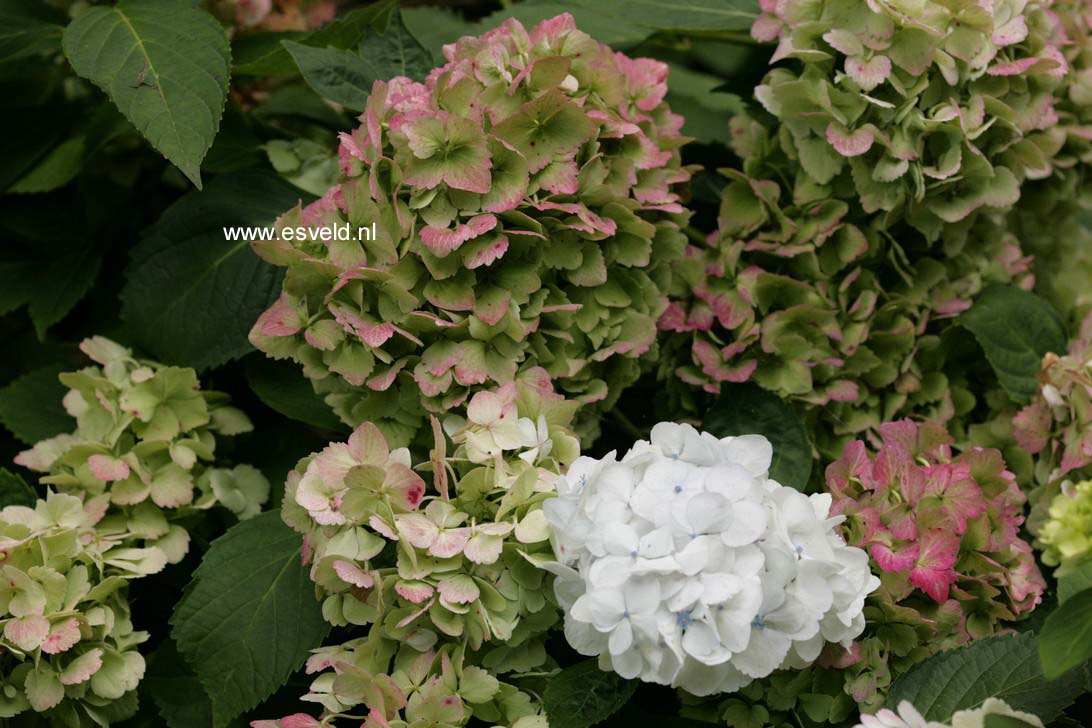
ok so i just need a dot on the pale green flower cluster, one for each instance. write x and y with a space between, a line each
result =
1066 537
144 445
445 579
68 647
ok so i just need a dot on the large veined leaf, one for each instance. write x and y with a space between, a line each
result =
336 74
1003 666
165 66
396 52
1015 330
1075 580
250 617
192 294
1066 640
28 27
676 15
345 32
282 386
583 695
30 406
746 409
175 689
48 281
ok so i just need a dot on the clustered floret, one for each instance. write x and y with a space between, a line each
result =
444 578
144 446
908 717
68 647
526 201
684 564
943 533
1066 536
931 111
811 297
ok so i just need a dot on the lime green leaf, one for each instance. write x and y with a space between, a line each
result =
345 32
334 73
282 386
1066 639
746 409
1076 579
29 27
1003 666
1015 330
249 617
31 406
165 66
191 294
14 491
583 695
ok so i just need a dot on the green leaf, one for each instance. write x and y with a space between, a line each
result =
1004 721
583 695
1015 330
191 294
396 52
1076 579
746 409
436 27
14 491
175 689
48 282
58 168
334 73
29 27
31 406
1066 640
165 66
1003 666
249 617
282 386
706 111
677 15
345 32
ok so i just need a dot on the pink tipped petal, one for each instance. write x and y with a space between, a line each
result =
62 637
350 573
849 144
108 469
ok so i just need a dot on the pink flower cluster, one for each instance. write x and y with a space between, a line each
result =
943 530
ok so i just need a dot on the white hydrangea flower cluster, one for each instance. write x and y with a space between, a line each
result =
684 564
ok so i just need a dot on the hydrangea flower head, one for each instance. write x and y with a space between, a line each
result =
930 110
522 137
68 646
145 446
1066 537
804 292
943 533
436 568
907 716
683 564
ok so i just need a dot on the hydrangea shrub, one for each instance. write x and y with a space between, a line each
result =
441 575
683 564
526 202
144 448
